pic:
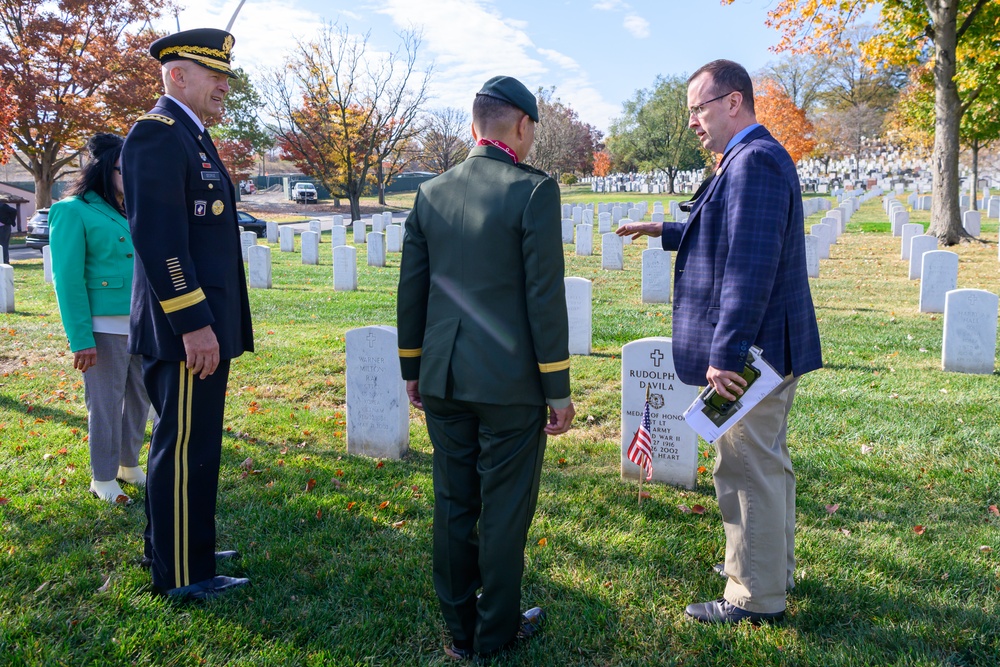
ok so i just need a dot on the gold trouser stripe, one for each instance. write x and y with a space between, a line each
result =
554 366
409 354
182 569
182 302
184 462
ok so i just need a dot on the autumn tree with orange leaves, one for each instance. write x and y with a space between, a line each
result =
958 38
8 111
74 68
340 112
602 163
786 122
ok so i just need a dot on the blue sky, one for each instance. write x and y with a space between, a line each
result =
596 53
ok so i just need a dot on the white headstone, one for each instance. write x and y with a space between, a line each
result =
823 232
338 220
612 252
655 276
272 232
938 276
376 249
908 231
378 411
6 288
567 210
315 226
838 225
338 235
654 242
648 364
603 223
577 215
579 308
567 230
657 217
971 220
993 207
588 216
259 270
970 331
394 238
899 218
584 240
287 235
812 255
616 214
247 241
345 268
46 264
918 246
310 248
359 231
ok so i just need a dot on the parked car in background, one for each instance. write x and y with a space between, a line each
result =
253 224
305 193
38 230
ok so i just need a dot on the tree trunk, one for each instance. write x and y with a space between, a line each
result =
380 178
974 195
43 185
946 222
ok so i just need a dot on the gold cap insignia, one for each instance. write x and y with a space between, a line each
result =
227 45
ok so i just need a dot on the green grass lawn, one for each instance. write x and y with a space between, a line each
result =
881 433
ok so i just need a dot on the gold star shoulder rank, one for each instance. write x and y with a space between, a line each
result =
155 116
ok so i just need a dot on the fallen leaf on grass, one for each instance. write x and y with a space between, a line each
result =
830 509
866 449
702 470
919 530
985 549
4 501
62 481
106 586
270 484
319 514
62 452
844 531
339 473
247 463
399 524
542 542
122 499
383 505
562 462
380 464
697 509
351 505
993 510
42 587
310 485
336 483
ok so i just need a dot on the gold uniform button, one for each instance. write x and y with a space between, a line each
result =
129 255
104 283
210 186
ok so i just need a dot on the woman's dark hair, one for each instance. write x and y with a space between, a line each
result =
97 175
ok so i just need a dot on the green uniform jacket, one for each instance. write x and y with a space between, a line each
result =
481 292
92 264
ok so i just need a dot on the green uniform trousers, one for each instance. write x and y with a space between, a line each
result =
487 465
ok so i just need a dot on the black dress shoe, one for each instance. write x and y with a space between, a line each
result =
146 562
722 611
456 653
531 624
207 589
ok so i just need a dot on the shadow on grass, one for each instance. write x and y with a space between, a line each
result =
42 411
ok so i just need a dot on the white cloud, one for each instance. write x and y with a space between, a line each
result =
608 5
638 26
560 59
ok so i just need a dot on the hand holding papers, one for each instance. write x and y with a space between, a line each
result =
710 415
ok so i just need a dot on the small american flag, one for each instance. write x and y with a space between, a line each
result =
639 451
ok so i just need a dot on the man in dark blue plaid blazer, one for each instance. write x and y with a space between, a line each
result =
740 280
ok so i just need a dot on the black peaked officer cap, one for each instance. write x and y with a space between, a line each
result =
511 91
208 47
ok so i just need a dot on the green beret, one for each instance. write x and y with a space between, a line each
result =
208 47
511 91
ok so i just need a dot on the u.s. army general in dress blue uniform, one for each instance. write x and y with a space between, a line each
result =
483 339
190 312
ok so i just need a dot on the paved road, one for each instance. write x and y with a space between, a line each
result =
21 252
326 221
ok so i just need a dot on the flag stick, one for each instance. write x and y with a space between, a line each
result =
642 471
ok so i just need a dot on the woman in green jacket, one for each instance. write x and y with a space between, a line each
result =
92 267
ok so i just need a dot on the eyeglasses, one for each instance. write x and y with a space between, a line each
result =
699 109
118 169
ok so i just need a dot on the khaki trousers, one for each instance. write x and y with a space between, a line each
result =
755 486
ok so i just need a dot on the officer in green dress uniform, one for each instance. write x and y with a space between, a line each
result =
483 338
190 312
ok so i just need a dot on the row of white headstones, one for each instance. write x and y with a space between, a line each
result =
377 406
